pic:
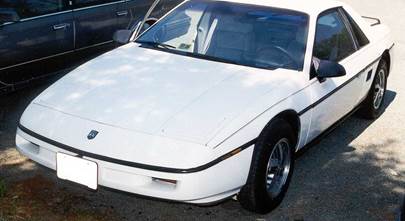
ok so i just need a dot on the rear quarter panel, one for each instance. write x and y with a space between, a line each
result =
379 35
380 39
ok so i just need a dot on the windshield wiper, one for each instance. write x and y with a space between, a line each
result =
157 44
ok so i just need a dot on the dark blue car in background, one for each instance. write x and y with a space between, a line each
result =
38 37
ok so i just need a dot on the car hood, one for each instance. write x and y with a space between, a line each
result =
161 93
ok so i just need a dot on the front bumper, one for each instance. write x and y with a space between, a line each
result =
211 184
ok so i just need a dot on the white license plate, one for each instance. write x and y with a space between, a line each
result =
77 170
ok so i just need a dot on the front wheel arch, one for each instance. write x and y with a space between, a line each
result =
254 195
291 116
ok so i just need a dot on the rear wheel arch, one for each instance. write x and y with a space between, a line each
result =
387 57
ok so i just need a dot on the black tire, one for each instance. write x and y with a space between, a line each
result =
368 109
254 195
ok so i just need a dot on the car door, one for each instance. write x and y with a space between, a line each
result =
333 98
44 29
95 21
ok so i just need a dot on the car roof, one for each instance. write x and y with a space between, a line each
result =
311 7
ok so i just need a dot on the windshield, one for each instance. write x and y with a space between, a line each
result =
244 34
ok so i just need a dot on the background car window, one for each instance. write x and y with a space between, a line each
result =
87 3
8 11
8 4
32 8
361 38
332 41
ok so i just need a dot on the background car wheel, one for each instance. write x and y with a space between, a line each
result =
373 105
271 168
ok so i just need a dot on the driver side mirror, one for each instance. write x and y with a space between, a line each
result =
8 15
125 36
327 69
122 36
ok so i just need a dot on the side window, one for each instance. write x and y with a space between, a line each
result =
87 3
361 38
8 10
333 41
9 4
32 8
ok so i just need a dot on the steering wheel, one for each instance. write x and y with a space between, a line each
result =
275 56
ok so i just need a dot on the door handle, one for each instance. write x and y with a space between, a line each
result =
61 26
122 13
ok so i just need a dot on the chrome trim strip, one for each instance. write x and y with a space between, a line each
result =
63 12
44 16
95 45
39 59
55 55
6 23
96 6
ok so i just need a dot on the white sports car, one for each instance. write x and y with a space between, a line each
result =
211 101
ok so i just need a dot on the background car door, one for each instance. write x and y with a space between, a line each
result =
333 98
136 10
44 29
95 21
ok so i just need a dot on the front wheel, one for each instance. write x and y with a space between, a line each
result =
271 168
372 106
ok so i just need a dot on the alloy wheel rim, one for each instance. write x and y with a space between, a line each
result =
379 89
278 167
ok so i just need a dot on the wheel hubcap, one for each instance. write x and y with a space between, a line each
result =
379 89
278 167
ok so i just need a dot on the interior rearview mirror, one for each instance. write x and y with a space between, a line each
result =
327 69
8 15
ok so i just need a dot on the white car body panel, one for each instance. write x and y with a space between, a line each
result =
174 89
191 120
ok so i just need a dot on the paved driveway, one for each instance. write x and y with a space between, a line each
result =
356 173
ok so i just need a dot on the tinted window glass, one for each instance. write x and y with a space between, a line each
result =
32 8
9 4
358 33
235 33
332 41
8 11
86 3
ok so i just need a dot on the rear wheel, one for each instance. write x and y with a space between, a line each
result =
271 168
373 105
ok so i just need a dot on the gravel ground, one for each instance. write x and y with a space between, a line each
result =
355 173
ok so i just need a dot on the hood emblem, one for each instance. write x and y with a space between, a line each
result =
92 134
